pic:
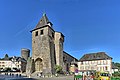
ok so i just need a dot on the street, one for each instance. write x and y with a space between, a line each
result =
7 77
58 78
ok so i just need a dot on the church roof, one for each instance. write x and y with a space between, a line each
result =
95 56
70 55
44 21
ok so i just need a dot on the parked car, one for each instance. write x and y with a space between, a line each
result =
102 76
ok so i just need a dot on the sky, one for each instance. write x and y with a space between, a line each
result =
88 25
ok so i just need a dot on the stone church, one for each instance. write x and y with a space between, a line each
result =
47 49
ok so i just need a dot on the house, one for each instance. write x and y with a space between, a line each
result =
114 68
99 61
14 63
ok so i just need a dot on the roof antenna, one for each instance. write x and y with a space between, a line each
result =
44 13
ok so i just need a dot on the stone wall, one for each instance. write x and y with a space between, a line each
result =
43 48
25 53
58 48
67 60
29 66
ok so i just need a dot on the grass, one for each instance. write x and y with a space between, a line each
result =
115 78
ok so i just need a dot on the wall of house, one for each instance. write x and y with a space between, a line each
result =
13 64
98 65
114 70
5 63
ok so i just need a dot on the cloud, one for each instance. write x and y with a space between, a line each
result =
84 50
28 27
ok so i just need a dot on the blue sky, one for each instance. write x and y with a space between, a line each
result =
88 25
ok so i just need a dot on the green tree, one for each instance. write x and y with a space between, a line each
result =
116 74
58 68
117 64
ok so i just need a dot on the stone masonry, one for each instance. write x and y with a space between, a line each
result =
43 49
47 49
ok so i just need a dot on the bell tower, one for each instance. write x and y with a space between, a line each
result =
43 48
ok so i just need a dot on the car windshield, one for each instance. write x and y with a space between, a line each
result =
104 74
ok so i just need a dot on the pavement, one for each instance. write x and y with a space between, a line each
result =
8 77
14 77
58 78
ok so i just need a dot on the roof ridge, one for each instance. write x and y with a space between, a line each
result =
95 52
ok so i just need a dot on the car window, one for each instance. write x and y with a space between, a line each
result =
104 74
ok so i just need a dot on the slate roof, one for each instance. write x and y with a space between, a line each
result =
69 55
44 21
15 59
95 56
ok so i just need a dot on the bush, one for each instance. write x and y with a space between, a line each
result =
116 74
58 69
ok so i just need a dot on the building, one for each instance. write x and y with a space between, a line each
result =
47 49
25 53
5 64
114 68
14 63
69 61
95 62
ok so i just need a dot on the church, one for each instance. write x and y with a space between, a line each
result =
47 49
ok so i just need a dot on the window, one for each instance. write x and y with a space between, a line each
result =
41 32
89 62
34 41
104 62
82 67
40 21
98 68
36 33
82 63
98 62
86 62
92 62
104 74
106 68
53 35
92 67
86 67
95 62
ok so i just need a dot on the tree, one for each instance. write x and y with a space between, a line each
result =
117 64
6 57
116 74
58 68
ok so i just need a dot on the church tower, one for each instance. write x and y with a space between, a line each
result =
43 48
